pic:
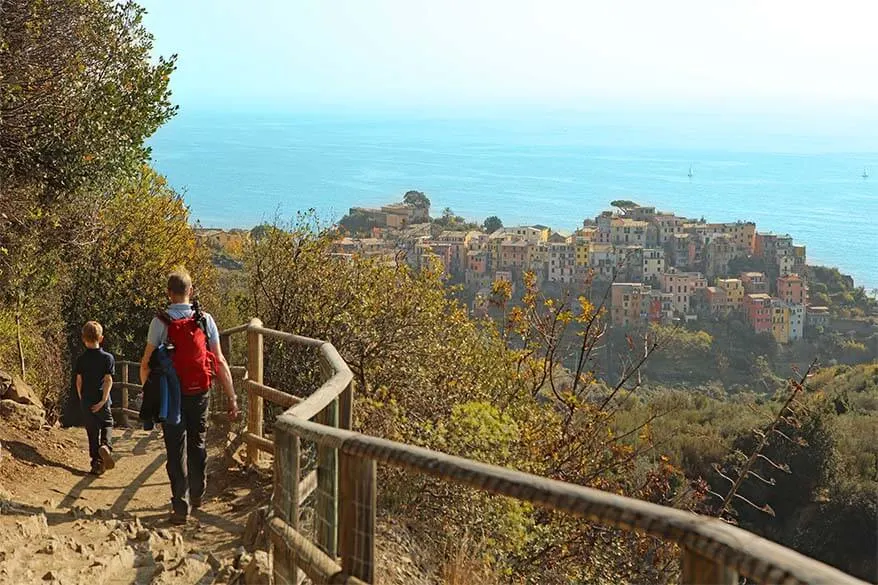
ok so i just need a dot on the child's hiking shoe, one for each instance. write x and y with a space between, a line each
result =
106 457
194 502
178 518
97 468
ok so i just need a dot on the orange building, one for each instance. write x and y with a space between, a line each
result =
791 288
717 300
629 303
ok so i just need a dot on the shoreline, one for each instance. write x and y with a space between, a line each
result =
243 232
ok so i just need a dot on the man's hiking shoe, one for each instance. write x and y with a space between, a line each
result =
178 519
194 503
106 457
96 468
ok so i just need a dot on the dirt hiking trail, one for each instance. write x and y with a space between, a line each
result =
60 525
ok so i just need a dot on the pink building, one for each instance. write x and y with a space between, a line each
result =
683 286
791 288
758 309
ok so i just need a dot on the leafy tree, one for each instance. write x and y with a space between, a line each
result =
624 205
80 92
140 234
416 198
831 288
428 374
450 220
492 224
357 223
741 264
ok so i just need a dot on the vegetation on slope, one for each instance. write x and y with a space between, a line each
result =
830 288
826 504
429 375
87 229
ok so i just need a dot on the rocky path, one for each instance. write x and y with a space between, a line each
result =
61 525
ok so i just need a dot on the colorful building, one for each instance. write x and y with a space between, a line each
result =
799 259
459 242
684 250
741 233
780 321
562 263
602 259
581 246
734 290
791 288
653 263
531 233
514 255
628 232
660 306
817 316
754 283
716 300
628 303
719 251
684 286
664 226
757 307
427 251
538 260
478 269
797 321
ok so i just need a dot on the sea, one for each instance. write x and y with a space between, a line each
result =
239 168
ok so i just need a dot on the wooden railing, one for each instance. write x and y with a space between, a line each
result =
124 385
345 485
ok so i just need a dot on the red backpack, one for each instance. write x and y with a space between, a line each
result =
194 362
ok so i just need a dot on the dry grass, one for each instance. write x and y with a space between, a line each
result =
466 564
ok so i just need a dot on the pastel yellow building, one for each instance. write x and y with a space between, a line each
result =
626 231
538 259
780 321
734 289
581 246
741 233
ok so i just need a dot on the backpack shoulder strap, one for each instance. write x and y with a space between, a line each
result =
164 317
199 317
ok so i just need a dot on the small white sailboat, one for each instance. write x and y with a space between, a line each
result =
691 174
865 173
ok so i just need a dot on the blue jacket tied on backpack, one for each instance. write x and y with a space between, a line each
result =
161 393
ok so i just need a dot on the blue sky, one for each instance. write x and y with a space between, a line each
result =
676 54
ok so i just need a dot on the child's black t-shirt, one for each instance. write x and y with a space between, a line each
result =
93 365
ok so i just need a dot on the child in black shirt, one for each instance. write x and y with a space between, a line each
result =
94 379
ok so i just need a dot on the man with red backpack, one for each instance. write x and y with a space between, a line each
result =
191 338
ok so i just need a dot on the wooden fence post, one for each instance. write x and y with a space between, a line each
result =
699 570
327 476
254 372
346 407
358 479
125 379
220 403
285 502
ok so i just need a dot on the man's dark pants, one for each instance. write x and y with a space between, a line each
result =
99 427
189 438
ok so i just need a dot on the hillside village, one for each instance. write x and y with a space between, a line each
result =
662 268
